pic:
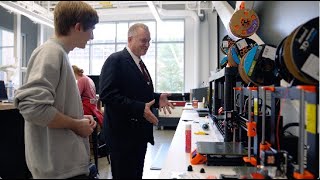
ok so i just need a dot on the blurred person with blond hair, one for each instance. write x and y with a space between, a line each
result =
87 91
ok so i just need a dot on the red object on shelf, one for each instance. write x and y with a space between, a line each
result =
195 103
188 138
178 103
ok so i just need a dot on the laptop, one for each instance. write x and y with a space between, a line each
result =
3 92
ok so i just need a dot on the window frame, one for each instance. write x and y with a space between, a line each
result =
154 41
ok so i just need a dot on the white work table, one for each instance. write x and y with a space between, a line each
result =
6 106
177 160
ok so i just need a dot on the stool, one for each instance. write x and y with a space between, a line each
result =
95 144
103 148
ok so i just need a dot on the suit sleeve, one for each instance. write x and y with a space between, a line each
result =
156 97
110 89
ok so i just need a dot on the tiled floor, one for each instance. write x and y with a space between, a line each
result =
160 137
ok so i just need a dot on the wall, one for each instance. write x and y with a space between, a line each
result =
6 19
30 30
189 65
279 18
213 49
221 33
208 47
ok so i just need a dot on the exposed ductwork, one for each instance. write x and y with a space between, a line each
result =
32 11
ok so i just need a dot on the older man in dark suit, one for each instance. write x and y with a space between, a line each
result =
127 92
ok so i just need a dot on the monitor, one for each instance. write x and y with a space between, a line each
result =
95 79
199 94
3 92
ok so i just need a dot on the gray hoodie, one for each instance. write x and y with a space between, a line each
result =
51 87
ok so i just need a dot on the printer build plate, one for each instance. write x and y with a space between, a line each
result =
221 148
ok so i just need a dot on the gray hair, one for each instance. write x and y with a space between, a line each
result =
134 28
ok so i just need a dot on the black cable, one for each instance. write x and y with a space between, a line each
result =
287 133
289 125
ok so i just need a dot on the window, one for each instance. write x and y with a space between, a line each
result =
104 33
6 51
80 57
170 67
122 32
164 59
99 54
170 57
7 57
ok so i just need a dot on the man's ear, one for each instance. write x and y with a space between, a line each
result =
77 27
130 39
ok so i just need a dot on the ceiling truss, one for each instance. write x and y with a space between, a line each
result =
40 11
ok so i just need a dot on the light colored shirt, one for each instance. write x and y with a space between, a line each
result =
135 58
86 87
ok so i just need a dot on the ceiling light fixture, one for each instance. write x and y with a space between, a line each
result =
31 15
154 11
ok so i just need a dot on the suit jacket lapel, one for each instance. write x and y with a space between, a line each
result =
133 64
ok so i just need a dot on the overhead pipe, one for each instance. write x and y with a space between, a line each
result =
154 11
197 8
191 8
122 11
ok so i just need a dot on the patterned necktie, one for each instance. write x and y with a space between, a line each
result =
144 71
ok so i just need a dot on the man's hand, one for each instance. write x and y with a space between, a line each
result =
164 103
82 127
92 122
85 126
148 113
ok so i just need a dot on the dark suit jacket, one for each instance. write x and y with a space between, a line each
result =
124 92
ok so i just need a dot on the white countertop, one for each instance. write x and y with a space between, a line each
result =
6 106
177 160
